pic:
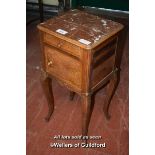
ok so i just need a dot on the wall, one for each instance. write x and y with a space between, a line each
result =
50 2
109 4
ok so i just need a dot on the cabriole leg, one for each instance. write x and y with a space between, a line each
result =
109 93
86 113
46 82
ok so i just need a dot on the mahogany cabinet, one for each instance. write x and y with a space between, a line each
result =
80 51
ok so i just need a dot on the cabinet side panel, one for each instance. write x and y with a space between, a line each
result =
103 60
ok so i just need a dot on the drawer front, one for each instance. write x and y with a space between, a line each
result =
63 66
63 45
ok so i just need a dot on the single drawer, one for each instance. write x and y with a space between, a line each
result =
64 67
62 44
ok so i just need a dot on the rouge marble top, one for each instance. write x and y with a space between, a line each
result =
80 27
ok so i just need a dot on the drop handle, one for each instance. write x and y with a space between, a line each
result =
50 63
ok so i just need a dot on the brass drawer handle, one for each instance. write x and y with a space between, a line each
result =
50 63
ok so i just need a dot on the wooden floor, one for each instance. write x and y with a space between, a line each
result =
67 115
